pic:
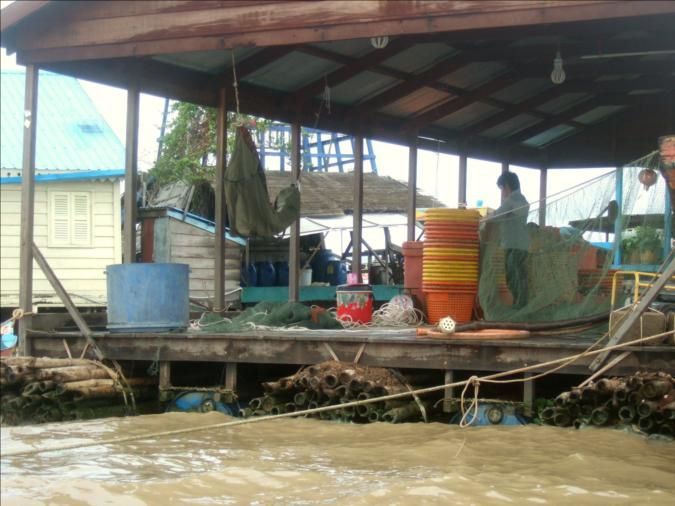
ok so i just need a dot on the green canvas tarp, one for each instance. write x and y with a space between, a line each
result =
249 209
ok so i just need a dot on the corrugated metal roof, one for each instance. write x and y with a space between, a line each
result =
474 74
359 87
511 126
419 100
419 57
291 72
549 135
71 133
563 102
473 113
212 62
522 90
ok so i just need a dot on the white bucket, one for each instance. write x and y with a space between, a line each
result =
305 277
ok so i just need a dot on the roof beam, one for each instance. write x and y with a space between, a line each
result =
620 99
350 70
452 106
529 105
412 84
261 59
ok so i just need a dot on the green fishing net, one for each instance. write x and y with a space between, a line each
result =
571 260
269 314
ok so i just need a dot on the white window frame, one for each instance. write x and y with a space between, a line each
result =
71 241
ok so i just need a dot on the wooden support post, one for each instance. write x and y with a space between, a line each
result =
131 175
294 242
461 184
448 395
528 391
164 375
231 376
412 187
27 205
221 158
543 173
358 206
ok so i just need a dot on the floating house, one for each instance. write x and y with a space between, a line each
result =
542 85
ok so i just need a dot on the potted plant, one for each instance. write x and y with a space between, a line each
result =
630 250
649 244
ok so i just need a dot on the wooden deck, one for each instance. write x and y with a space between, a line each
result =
384 348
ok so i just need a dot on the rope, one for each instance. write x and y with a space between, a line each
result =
235 83
321 409
19 313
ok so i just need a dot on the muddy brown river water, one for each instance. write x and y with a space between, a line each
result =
316 462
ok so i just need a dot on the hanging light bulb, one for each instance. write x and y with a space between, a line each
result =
379 42
558 74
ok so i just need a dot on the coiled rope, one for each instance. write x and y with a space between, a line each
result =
489 378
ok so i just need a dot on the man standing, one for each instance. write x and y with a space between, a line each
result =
511 217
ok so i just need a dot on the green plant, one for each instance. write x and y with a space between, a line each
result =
629 246
647 238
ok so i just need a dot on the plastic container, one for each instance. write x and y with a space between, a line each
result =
282 273
305 277
355 303
336 272
267 275
148 297
249 275
319 264
459 306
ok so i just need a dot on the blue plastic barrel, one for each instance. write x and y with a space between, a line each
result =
282 273
267 276
148 297
336 272
249 275
319 264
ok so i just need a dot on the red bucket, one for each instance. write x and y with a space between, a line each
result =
355 303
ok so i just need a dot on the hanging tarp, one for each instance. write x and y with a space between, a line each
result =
248 205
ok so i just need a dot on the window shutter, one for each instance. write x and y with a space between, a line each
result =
81 219
60 222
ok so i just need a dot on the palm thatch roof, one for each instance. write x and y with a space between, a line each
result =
332 194
323 194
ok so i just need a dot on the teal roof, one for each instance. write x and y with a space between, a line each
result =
71 133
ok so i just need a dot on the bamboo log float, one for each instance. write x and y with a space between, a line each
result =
290 407
562 399
609 386
635 398
255 403
330 380
562 418
346 376
589 395
314 370
574 395
46 362
355 386
72 373
245 413
271 387
646 424
655 389
330 393
646 408
666 430
579 423
314 382
277 409
301 399
621 394
600 416
586 410
547 414
627 413
375 415
634 382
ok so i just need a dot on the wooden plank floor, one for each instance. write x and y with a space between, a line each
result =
381 347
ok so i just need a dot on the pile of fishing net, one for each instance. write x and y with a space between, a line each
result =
269 315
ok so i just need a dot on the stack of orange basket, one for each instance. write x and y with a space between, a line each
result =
450 263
